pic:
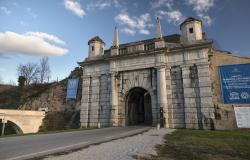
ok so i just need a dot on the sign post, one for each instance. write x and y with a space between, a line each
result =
4 121
242 115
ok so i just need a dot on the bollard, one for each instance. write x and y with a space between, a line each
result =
98 125
158 126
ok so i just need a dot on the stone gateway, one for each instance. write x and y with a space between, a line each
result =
165 80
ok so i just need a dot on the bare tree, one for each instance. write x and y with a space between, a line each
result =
1 80
44 73
12 83
30 71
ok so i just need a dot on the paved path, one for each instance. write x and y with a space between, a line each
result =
25 147
120 149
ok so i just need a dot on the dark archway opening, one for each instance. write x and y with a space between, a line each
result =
10 128
138 107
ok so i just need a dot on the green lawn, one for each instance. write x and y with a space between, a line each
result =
204 145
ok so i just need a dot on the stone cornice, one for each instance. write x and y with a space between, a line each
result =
166 50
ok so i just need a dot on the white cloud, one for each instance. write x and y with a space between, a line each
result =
201 6
144 31
207 20
174 16
132 25
128 31
74 7
161 3
102 4
47 37
5 10
14 43
125 19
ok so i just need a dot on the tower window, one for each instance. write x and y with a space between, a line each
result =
93 48
191 30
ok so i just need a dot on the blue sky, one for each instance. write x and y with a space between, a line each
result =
60 29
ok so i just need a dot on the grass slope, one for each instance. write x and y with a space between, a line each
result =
11 97
204 145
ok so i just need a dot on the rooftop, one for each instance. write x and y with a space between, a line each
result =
96 38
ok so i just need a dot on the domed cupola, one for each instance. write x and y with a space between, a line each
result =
96 47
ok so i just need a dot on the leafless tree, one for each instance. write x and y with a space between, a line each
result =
30 71
12 83
1 80
44 69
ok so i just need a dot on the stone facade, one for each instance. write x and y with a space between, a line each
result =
175 73
224 113
23 121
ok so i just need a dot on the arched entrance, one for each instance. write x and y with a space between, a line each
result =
138 107
10 128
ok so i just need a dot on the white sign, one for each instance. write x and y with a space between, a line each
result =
4 120
242 115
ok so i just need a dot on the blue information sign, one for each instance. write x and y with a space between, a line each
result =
235 83
72 86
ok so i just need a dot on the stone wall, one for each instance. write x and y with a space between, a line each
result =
177 108
27 121
95 102
224 113
53 99
178 82
144 78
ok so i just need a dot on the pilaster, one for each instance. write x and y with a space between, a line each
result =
114 100
94 107
85 101
205 86
190 99
162 94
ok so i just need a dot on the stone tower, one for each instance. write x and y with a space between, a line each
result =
191 30
96 47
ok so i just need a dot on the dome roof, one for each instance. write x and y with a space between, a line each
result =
96 38
190 19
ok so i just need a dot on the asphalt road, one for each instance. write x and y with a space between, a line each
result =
32 146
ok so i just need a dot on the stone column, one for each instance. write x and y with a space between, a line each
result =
190 99
169 98
114 100
205 86
85 101
95 101
162 94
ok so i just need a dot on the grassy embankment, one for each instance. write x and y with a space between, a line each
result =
204 145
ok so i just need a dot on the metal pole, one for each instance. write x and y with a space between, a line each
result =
158 126
3 128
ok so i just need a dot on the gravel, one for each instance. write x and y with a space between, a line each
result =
121 149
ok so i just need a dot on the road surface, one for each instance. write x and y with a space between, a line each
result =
26 147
